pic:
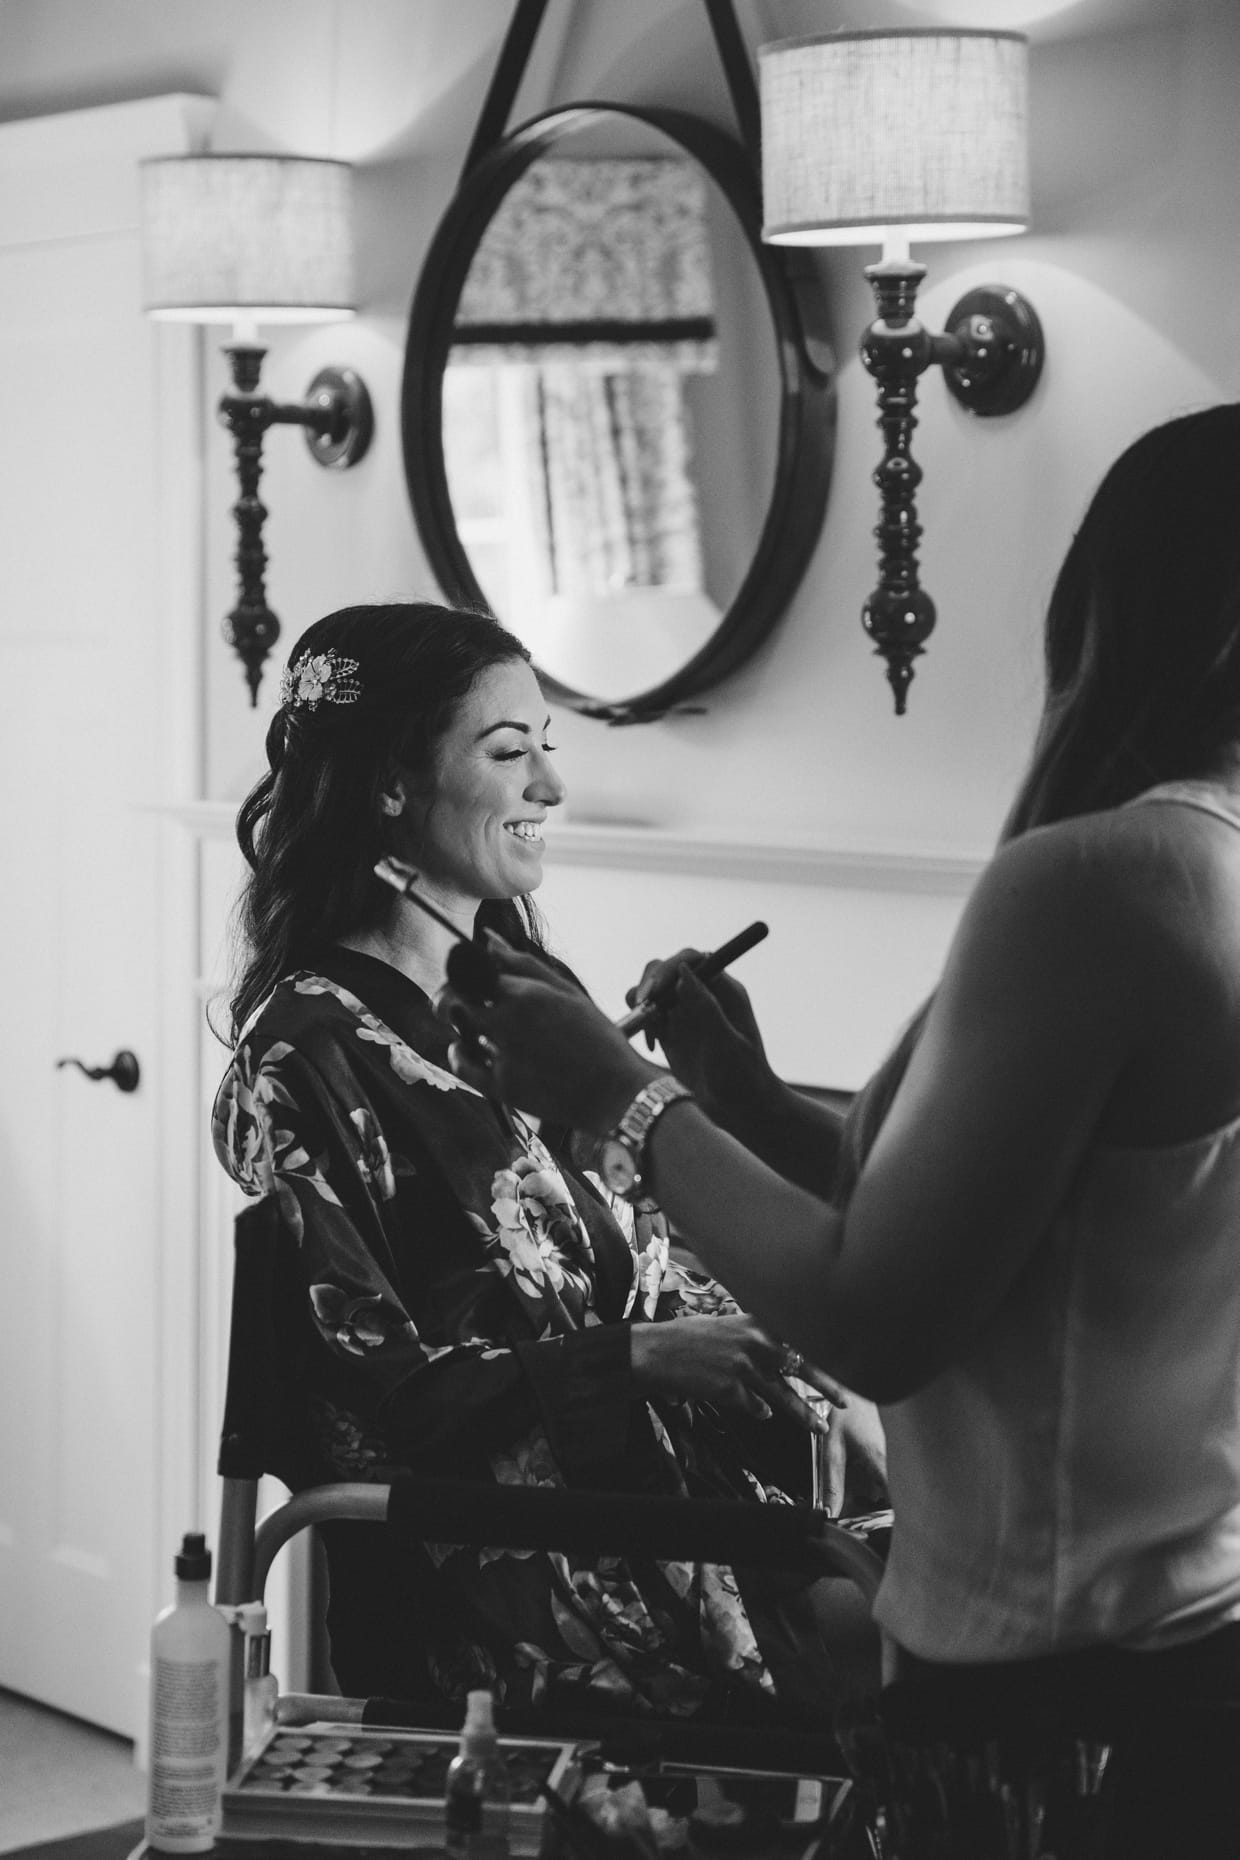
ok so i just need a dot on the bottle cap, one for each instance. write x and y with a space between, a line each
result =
253 1619
193 1564
479 1716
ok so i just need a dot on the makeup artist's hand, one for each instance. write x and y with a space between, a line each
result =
729 1361
857 1459
708 1033
542 1045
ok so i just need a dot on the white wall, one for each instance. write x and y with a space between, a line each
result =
1131 265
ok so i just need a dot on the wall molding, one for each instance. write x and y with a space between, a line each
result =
942 871
789 862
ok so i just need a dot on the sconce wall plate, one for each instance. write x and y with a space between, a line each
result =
341 394
1002 350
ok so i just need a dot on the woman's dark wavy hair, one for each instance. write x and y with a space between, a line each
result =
1142 661
311 829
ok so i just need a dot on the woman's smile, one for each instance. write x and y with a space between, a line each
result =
482 833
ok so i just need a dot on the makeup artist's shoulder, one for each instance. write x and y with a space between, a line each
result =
1112 870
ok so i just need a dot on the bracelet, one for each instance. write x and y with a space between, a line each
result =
622 1154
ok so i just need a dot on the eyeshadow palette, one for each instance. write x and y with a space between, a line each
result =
342 1783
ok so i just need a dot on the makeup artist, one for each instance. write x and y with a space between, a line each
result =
469 1302
1031 1256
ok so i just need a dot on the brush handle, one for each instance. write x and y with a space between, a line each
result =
470 970
705 968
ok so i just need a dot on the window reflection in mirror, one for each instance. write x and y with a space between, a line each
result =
611 409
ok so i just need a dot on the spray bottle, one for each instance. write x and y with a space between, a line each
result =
478 1790
190 1669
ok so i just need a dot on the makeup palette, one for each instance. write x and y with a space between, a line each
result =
342 1783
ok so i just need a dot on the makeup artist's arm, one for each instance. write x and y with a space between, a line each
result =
711 1038
1045 999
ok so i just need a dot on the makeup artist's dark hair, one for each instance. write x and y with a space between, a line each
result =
1142 640
312 828
1142 660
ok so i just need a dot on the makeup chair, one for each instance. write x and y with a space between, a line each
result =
263 1432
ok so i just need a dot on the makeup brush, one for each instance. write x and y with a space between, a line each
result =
470 969
704 967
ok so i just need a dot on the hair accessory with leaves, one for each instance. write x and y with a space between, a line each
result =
320 678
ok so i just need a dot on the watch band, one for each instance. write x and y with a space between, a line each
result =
633 1129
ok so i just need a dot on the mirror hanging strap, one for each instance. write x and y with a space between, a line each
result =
510 66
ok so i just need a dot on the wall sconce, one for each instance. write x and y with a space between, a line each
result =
886 137
250 239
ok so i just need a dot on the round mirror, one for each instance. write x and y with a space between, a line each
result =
613 438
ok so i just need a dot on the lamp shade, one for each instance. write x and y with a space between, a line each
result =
923 131
247 238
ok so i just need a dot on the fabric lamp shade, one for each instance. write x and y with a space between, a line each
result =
923 134
247 238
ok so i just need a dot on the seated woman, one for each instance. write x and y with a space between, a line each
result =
477 1305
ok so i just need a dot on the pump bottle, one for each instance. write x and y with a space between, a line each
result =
190 1658
476 1798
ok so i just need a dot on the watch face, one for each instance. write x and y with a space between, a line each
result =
616 1166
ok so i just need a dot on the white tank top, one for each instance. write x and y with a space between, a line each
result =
1076 1477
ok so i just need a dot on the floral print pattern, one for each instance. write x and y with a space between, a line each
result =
465 1296
374 1161
356 1324
538 1233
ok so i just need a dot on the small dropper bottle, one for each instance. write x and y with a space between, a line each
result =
478 1791
261 1689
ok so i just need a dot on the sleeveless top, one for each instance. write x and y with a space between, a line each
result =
1075 1477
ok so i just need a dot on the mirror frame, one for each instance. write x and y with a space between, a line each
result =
806 432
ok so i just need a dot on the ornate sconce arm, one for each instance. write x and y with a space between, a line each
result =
991 356
899 615
251 629
338 423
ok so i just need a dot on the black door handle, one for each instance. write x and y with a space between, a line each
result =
124 1071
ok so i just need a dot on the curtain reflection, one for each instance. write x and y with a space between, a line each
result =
588 301
611 453
599 261
587 311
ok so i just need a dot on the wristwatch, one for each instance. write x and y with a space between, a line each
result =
622 1152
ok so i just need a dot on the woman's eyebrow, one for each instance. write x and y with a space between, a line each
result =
505 723
510 723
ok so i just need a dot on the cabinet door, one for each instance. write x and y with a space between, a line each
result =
93 608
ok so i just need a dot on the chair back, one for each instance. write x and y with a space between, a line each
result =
264 1427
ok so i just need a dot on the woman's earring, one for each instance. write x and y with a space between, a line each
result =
392 804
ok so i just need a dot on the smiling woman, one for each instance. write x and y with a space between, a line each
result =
475 831
466 1297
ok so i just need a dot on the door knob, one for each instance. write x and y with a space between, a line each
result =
124 1071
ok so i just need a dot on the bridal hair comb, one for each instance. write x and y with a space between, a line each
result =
319 678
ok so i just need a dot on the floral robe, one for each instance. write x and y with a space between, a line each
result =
469 1297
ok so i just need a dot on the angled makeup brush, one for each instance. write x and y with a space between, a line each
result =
470 969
